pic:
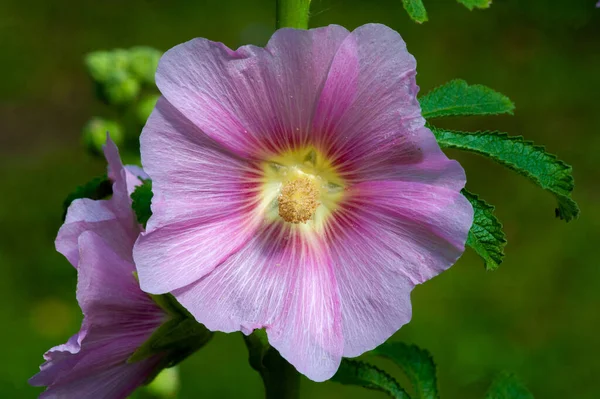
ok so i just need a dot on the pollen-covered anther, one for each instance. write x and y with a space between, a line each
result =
298 200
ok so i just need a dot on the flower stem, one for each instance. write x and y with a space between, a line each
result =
292 13
281 380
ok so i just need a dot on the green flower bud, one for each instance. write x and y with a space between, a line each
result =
104 65
94 134
120 59
99 65
145 107
121 88
143 63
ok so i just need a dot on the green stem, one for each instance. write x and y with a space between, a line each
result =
281 380
292 13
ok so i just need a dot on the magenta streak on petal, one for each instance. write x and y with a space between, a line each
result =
280 281
389 237
252 100
205 205
368 107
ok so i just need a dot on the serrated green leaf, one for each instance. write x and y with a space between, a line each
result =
486 236
416 10
457 98
507 386
523 157
96 189
141 200
470 4
354 372
416 363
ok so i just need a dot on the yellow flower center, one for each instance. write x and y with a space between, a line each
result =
298 200
300 187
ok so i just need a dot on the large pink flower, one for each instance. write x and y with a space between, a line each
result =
297 189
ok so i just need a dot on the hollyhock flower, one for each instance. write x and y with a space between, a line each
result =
98 238
297 189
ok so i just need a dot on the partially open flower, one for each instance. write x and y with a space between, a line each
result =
297 189
98 238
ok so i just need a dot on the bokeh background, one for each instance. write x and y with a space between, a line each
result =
537 316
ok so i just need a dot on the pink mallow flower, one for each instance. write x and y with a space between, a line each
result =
98 238
297 189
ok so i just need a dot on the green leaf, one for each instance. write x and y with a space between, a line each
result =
169 304
486 236
141 201
96 189
354 372
416 363
178 338
523 157
507 386
457 98
416 10
470 4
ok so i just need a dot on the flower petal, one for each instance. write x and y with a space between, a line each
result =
100 372
389 237
252 100
281 280
108 292
368 119
204 206
119 317
113 219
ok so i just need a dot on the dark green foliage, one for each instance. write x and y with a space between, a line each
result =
416 10
486 236
280 378
96 189
178 337
141 201
457 98
507 386
416 363
523 157
353 372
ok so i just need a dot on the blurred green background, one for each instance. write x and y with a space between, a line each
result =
538 315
